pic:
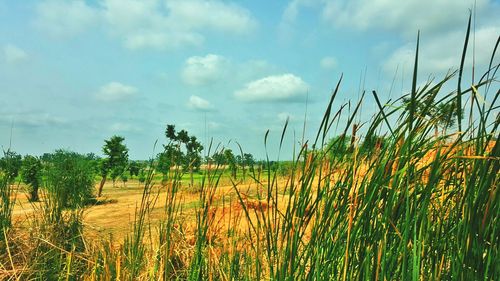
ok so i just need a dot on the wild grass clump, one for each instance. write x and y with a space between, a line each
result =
57 243
10 164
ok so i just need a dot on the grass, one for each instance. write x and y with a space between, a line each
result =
423 206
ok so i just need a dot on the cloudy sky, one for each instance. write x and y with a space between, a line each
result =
73 73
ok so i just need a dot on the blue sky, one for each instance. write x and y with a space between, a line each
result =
73 73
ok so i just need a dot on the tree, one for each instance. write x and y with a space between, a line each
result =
124 179
31 173
142 176
231 162
372 144
193 157
174 155
133 168
442 115
219 158
338 146
248 161
116 161
10 164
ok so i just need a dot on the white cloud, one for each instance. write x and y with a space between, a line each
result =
124 127
205 70
285 87
292 9
65 18
115 91
404 16
172 24
14 54
199 104
157 24
328 63
439 54
31 119
217 15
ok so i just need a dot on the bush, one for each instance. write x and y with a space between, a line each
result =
70 179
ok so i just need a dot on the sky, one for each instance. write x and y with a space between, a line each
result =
74 73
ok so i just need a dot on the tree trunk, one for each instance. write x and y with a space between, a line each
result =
101 185
34 193
192 178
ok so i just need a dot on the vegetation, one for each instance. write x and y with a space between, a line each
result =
70 180
115 163
10 164
181 150
31 172
403 204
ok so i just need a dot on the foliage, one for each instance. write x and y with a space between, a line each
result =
338 146
133 168
31 173
193 159
70 179
181 150
372 144
230 160
117 156
142 176
10 164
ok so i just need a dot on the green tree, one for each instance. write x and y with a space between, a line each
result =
175 155
371 144
219 158
193 156
172 154
442 114
248 161
133 168
230 160
116 159
31 173
10 164
338 146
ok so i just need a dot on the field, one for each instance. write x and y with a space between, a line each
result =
412 197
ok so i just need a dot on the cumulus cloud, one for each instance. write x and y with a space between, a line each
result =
157 24
404 16
14 54
65 18
199 104
285 87
171 24
292 9
124 127
328 63
32 119
115 91
205 70
438 55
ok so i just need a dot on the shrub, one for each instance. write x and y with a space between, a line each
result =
70 179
